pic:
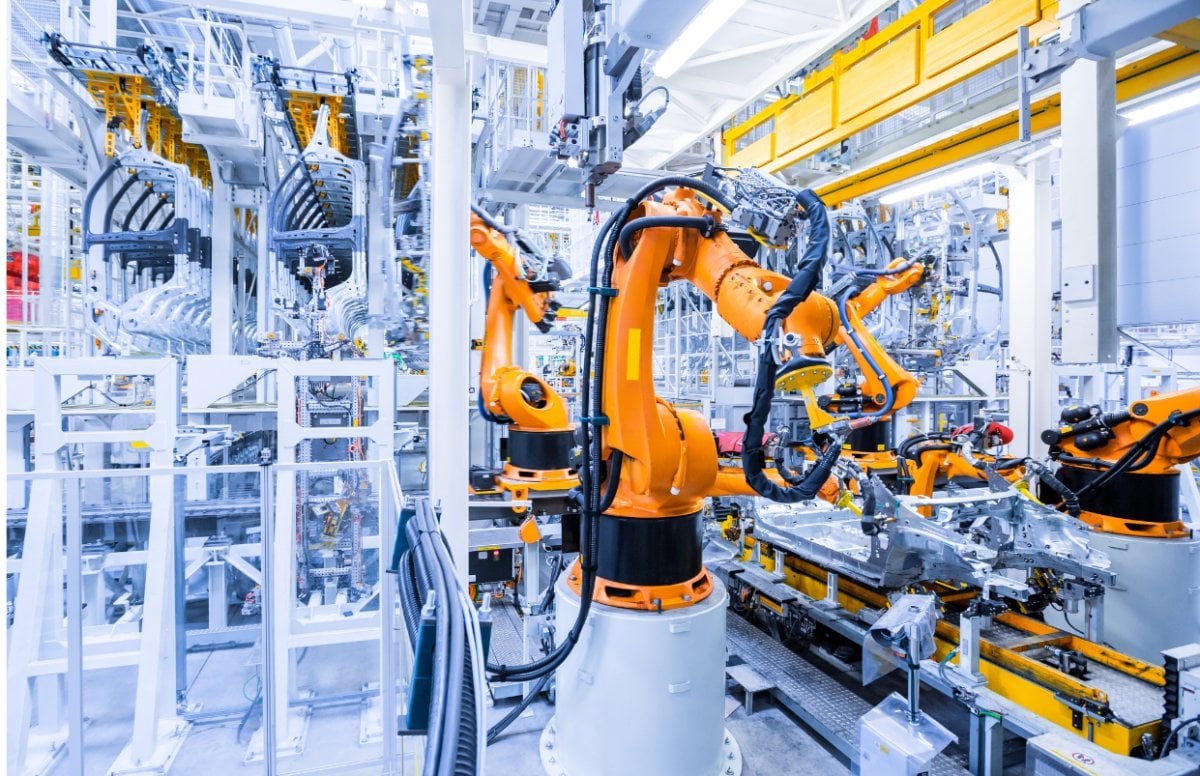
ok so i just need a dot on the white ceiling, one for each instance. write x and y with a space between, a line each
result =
765 43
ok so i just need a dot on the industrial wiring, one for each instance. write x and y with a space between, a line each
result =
802 284
430 586
888 392
1166 744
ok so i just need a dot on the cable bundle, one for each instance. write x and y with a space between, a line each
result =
430 586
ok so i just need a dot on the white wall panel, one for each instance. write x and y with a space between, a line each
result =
1158 220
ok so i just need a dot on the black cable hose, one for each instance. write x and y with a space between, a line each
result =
1162 752
486 217
798 289
448 601
1141 454
441 662
614 479
595 333
495 730
549 662
410 602
1070 499
467 751
705 224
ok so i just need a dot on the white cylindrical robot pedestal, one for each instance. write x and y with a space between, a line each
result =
642 693
1156 603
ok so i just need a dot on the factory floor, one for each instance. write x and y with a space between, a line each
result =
772 740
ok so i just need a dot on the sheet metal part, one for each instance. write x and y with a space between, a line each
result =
971 539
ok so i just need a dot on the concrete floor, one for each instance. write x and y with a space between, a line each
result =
773 743
771 739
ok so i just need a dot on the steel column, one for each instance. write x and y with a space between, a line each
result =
1089 213
74 537
1031 381
221 317
449 380
269 614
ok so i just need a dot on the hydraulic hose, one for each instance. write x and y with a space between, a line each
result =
889 393
592 398
1141 454
705 224
589 482
492 223
885 272
495 730
1069 499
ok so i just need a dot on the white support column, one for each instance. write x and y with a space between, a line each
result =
379 245
102 15
1031 387
263 272
1089 213
221 319
449 381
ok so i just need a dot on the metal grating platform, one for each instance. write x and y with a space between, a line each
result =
828 707
507 640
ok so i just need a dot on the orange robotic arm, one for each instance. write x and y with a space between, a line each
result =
1121 465
670 458
508 390
854 337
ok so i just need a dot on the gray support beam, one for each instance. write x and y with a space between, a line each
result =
1032 379
449 346
1089 213
1107 26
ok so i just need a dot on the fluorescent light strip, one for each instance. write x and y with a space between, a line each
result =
1163 107
696 34
937 183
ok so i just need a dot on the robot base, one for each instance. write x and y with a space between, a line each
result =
642 693
1156 604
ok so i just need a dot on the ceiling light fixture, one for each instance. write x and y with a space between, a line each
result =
937 183
1163 107
696 34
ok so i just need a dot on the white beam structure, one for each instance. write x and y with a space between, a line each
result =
1031 387
755 48
449 346
520 52
1089 213
221 317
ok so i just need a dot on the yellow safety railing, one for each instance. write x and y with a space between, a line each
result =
901 65
1148 75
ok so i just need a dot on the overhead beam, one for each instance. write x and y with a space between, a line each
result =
517 51
1186 34
750 92
755 48
1136 79
1107 26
